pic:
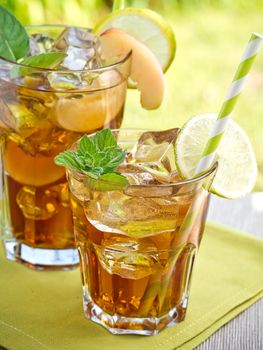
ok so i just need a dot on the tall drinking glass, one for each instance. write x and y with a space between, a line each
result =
137 242
42 112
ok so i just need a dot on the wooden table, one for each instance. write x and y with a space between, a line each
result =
245 332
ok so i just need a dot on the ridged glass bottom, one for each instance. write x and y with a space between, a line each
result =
40 258
118 324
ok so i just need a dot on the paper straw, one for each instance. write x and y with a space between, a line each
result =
226 110
234 92
118 5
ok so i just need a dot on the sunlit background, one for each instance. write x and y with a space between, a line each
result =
211 36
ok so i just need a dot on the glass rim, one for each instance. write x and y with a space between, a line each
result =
192 180
67 71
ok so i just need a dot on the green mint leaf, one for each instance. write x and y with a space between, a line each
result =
110 182
43 60
85 161
14 40
114 177
99 155
86 146
96 171
114 158
68 160
103 139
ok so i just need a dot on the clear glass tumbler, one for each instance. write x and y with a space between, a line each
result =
137 243
42 112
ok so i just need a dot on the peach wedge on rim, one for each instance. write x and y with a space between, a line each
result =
145 68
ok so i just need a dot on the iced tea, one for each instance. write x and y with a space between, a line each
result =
136 255
42 114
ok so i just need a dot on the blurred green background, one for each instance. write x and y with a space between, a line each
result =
211 36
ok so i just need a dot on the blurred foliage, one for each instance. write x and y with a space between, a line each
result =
87 12
210 34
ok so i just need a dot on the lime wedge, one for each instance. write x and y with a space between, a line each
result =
147 27
237 169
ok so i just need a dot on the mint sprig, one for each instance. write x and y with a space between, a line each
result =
98 156
14 46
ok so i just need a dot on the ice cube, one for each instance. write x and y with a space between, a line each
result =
152 159
154 152
107 79
156 146
37 102
77 58
61 193
28 123
66 81
132 216
8 121
40 43
23 120
159 137
82 48
78 187
36 204
140 209
76 37
153 173
127 257
136 175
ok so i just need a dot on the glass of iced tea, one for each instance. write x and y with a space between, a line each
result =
42 112
138 241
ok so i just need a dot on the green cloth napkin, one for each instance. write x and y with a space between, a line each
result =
43 310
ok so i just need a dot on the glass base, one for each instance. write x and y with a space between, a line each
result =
41 258
118 324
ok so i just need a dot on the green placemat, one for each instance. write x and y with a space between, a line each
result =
43 310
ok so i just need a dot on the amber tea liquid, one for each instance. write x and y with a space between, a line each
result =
36 125
144 279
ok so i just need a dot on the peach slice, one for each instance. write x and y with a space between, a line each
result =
145 69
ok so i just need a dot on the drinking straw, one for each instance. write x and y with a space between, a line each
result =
230 101
156 285
118 5
208 156
225 112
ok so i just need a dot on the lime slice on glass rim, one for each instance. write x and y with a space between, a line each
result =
146 26
237 169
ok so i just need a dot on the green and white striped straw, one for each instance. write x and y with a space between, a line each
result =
234 92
